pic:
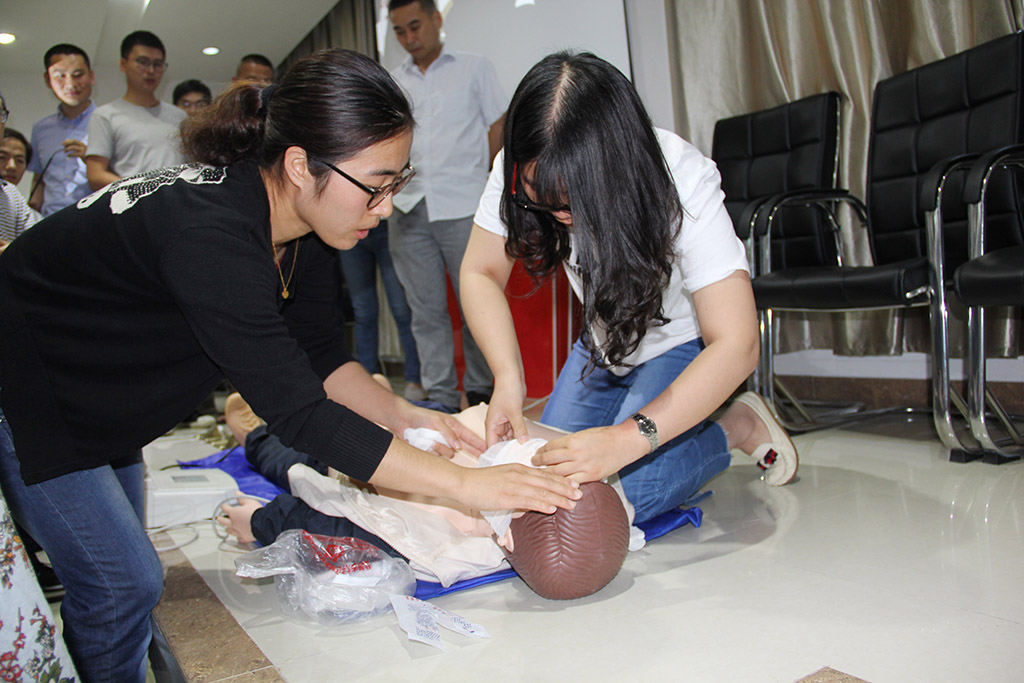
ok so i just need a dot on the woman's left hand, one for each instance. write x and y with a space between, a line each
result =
589 455
457 435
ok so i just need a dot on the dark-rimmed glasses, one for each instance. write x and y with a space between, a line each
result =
146 64
523 202
377 194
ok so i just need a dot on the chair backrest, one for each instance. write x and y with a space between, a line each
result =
967 103
790 147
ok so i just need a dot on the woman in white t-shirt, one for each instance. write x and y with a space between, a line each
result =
635 215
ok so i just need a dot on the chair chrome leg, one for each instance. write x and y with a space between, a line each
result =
938 315
979 397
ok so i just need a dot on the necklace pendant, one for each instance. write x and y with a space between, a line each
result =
284 293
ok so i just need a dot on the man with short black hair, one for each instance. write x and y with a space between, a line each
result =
254 67
138 132
15 153
460 113
15 214
60 139
190 96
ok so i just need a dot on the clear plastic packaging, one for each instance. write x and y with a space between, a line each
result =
328 579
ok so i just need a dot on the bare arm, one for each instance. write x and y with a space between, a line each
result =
495 136
97 170
728 322
485 272
35 200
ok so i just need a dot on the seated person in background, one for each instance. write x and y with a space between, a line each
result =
15 155
15 214
191 96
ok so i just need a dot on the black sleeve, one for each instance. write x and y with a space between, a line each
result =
288 512
226 288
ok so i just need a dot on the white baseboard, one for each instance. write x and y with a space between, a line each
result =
823 363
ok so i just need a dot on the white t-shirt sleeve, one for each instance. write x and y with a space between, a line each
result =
101 135
488 211
707 248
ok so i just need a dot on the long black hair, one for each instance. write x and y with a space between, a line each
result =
579 123
333 104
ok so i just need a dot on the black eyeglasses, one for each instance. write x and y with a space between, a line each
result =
3 115
523 202
377 194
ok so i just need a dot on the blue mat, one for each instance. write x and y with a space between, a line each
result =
234 463
253 483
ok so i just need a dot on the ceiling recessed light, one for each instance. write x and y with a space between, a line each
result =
6 38
211 50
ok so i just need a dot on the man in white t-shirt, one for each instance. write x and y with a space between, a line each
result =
460 111
138 132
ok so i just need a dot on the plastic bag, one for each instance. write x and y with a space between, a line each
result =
331 580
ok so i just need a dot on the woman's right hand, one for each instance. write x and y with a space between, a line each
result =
516 487
504 420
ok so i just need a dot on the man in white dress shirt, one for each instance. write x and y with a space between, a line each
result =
460 110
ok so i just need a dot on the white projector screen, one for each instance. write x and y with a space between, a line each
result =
515 34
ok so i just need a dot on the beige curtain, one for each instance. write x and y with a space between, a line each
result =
738 56
350 24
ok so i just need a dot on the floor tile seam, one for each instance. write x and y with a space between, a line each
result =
240 676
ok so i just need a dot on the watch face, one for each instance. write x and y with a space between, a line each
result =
647 428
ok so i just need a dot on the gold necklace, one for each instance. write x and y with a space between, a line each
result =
295 256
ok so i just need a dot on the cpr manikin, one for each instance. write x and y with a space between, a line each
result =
568 554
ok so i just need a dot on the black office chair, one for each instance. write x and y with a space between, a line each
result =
994 276
777 152
927 126
787 148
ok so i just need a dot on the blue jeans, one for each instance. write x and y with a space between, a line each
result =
671 475
88 522
359 266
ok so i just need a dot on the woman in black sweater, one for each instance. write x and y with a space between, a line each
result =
118 315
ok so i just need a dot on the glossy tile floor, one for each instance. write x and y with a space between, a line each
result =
883 561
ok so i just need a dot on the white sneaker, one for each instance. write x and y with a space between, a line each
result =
777 458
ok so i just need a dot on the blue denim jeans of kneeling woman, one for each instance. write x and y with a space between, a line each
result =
89 524
671 475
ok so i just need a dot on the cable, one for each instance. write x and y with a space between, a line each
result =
39 178
169 527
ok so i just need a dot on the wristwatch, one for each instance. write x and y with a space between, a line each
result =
647 428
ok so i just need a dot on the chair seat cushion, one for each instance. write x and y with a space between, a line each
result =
994 279
841 287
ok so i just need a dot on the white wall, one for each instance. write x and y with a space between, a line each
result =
515 38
